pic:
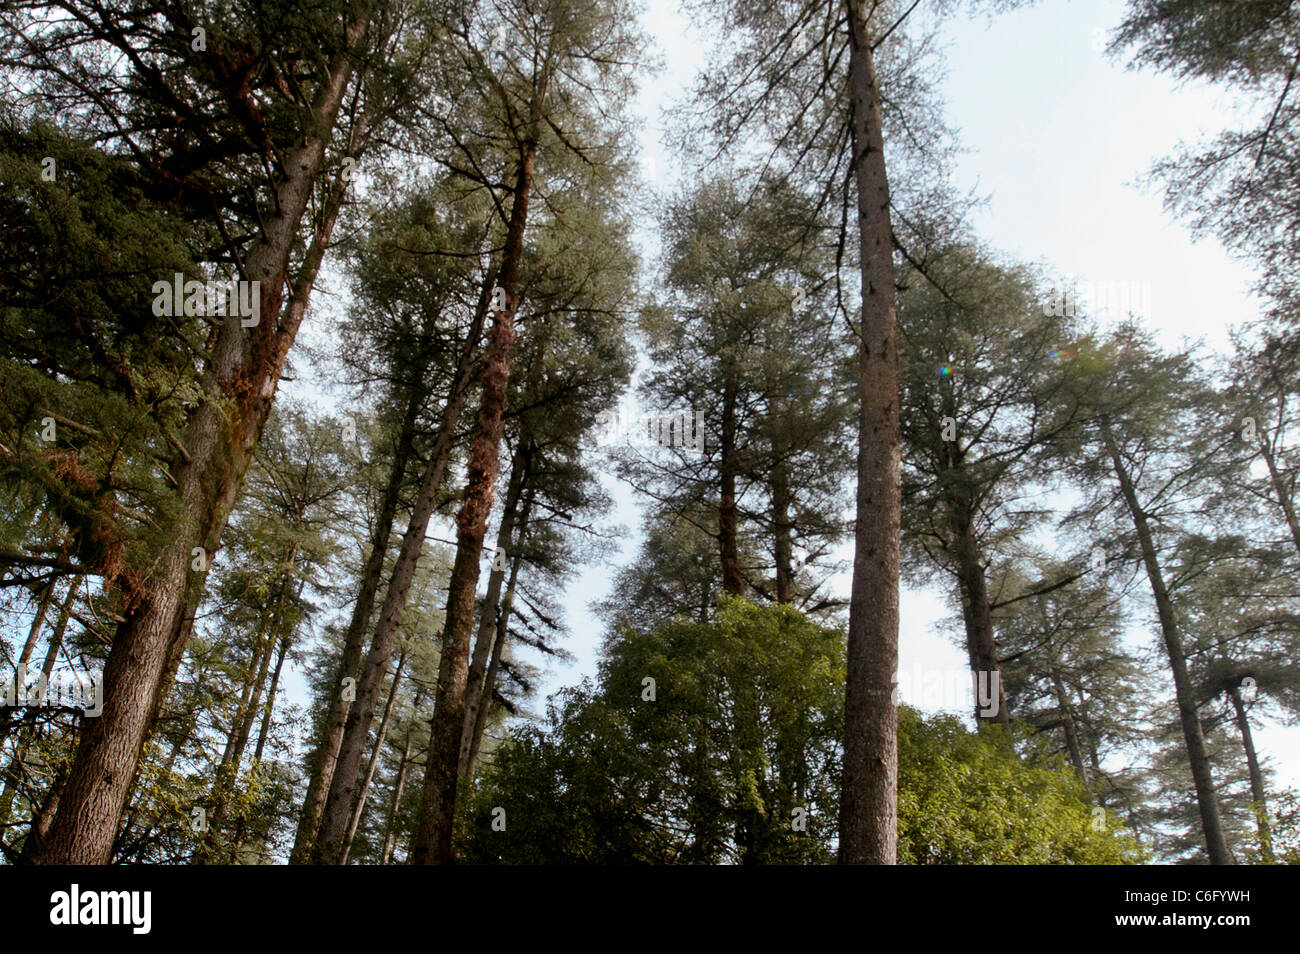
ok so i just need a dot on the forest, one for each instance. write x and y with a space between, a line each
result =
344 343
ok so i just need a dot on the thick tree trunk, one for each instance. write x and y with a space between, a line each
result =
364 793
342 791
241 378
327 750
869 795
488 617
442 771
732 581
1257 794
1193 735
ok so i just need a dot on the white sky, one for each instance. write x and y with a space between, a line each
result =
1057 137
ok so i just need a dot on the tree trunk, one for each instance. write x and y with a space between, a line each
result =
342 791
25 656
732 581
374 760
977 613
268 709
1279 488
1071 728
484 710
488 618
438 799
1257 795
399 786
263 730
1188 715
869 796
782 530
327 750
13 775
241 377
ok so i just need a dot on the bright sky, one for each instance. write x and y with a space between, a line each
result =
1058 136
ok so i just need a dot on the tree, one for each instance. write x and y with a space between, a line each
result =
1242 186
983 366
1152 432
695 786
748 396
561 38
209 90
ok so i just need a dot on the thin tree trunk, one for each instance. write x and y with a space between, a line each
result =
1257 794
268 709
364 793
327 750
227 776
263 730
484 712
1068 723
38 622
438 798
1193 735
1279 488
782 530
399 786
869 795
240 382
342 791
13 775
732 580
488 617
25 656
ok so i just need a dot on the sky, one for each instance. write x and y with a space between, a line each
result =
1057 138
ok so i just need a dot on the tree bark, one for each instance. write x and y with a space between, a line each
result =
240 380
438 799
869 795
1193 735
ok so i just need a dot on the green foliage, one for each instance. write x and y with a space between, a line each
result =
964 798
81 351
740 741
